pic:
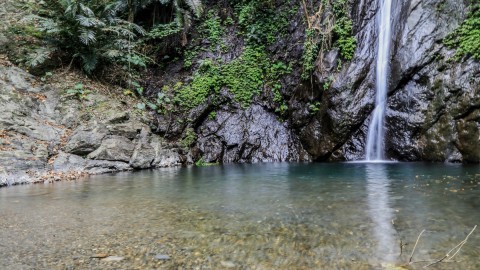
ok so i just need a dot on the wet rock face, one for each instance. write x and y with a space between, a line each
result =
433 111
251 135
433 104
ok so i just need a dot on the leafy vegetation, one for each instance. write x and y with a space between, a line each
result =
331 27
202 163
161 31
244 78
96 33
88 32
251 73
78 91
310 53
205 82
466 39
212 28
261 21
189 138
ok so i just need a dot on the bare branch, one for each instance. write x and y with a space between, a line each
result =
457 247
414 247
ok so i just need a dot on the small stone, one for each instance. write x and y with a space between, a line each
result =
113 259
162 257
227 264
99 256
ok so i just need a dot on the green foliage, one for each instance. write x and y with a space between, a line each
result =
278 98
161 31
342 29
346 43
212 115
212 28
188 57
205 82
46 76
189 138
466 39
327 83
314 108
78 91
333 27
201 163
261 21
244 76
88 31
310 53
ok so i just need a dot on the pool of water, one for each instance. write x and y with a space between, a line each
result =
256 216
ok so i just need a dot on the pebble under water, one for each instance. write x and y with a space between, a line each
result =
256 216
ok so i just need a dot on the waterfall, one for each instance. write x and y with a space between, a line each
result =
376 129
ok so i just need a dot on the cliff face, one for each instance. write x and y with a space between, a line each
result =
433 103
433 110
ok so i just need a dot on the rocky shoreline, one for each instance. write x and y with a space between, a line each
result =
47 135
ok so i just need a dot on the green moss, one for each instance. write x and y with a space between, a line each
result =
202 163
205 82
261 23
466 39
244 77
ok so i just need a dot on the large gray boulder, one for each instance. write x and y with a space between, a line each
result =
251 135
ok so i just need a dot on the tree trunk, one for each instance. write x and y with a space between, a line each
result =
131 12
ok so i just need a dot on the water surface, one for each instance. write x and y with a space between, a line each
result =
260 216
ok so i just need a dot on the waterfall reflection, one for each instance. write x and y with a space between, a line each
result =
380 211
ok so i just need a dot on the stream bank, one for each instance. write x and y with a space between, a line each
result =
49 135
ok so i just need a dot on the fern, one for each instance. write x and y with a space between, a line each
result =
92 33
89 21
87 36
88 31
196 6
89 61
39 56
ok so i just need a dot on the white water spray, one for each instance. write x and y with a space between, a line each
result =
376 129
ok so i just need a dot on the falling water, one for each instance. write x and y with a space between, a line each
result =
376 129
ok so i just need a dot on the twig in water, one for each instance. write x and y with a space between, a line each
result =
464 241
457 247
414 247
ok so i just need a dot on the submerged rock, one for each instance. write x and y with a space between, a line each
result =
113 259
162 257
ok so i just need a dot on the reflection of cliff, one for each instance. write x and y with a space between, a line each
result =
380 211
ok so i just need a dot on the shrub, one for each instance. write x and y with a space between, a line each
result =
90 33
466 38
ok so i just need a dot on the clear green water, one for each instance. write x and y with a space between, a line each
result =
261 216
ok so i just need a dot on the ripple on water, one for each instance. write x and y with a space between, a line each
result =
270 216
